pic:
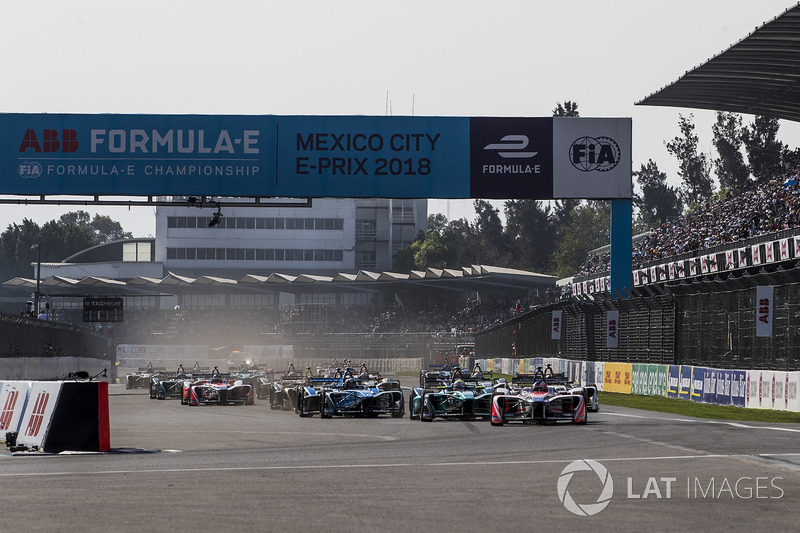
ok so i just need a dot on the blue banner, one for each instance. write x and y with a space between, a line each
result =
673 381
696 386
315 156
725 387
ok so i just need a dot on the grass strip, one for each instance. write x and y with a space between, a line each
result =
696 409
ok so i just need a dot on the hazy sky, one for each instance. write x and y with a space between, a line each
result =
427 58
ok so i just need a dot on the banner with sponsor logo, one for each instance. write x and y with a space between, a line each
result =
612 329
725 387
649 379
673 381
696 384
161 351
617 377
316 156
555 326
764 306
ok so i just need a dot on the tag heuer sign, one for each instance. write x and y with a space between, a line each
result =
102 309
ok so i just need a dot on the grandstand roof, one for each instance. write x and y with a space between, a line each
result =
759 75
474 277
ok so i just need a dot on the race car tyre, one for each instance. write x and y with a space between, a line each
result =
301 407
323 412
401 412
423 408
272 400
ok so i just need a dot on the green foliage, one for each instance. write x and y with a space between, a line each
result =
730 166
657 201
764 151
589 229
531 233
694 168
57 240
568 109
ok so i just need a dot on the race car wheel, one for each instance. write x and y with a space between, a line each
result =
301 407
272 400
323 412
425 407
401 412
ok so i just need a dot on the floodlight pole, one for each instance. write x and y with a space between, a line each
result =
38 278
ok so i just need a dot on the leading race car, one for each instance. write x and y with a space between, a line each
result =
468 396
217 389
538 403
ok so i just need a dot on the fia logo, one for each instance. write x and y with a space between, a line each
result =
29 169
512 147
594 153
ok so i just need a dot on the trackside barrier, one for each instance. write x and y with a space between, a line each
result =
757 389
13 396
66 416
38 413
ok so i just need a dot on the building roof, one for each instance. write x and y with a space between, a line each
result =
474 277
759 75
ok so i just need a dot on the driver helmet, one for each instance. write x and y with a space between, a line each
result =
459 384
540 386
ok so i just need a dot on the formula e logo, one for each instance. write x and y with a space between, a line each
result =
512 146
29 169
588 509
594 153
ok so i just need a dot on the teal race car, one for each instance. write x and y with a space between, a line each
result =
465 397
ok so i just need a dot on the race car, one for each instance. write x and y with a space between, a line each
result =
283 391
141 378
561 382
260 380
538 403
351 396
217 389
466 397
437 375
163 388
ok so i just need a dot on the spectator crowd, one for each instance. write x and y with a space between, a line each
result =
762 208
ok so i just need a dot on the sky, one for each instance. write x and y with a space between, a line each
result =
318 57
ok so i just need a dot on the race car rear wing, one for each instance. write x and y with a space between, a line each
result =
523 380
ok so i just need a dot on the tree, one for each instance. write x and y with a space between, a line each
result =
764 151
531 234
590 229
730 166
57 240
107 230
568 109
657 201
694 168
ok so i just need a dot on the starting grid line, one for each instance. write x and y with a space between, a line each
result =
393 465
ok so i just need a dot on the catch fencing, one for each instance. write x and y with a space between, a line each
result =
714 329
22 336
